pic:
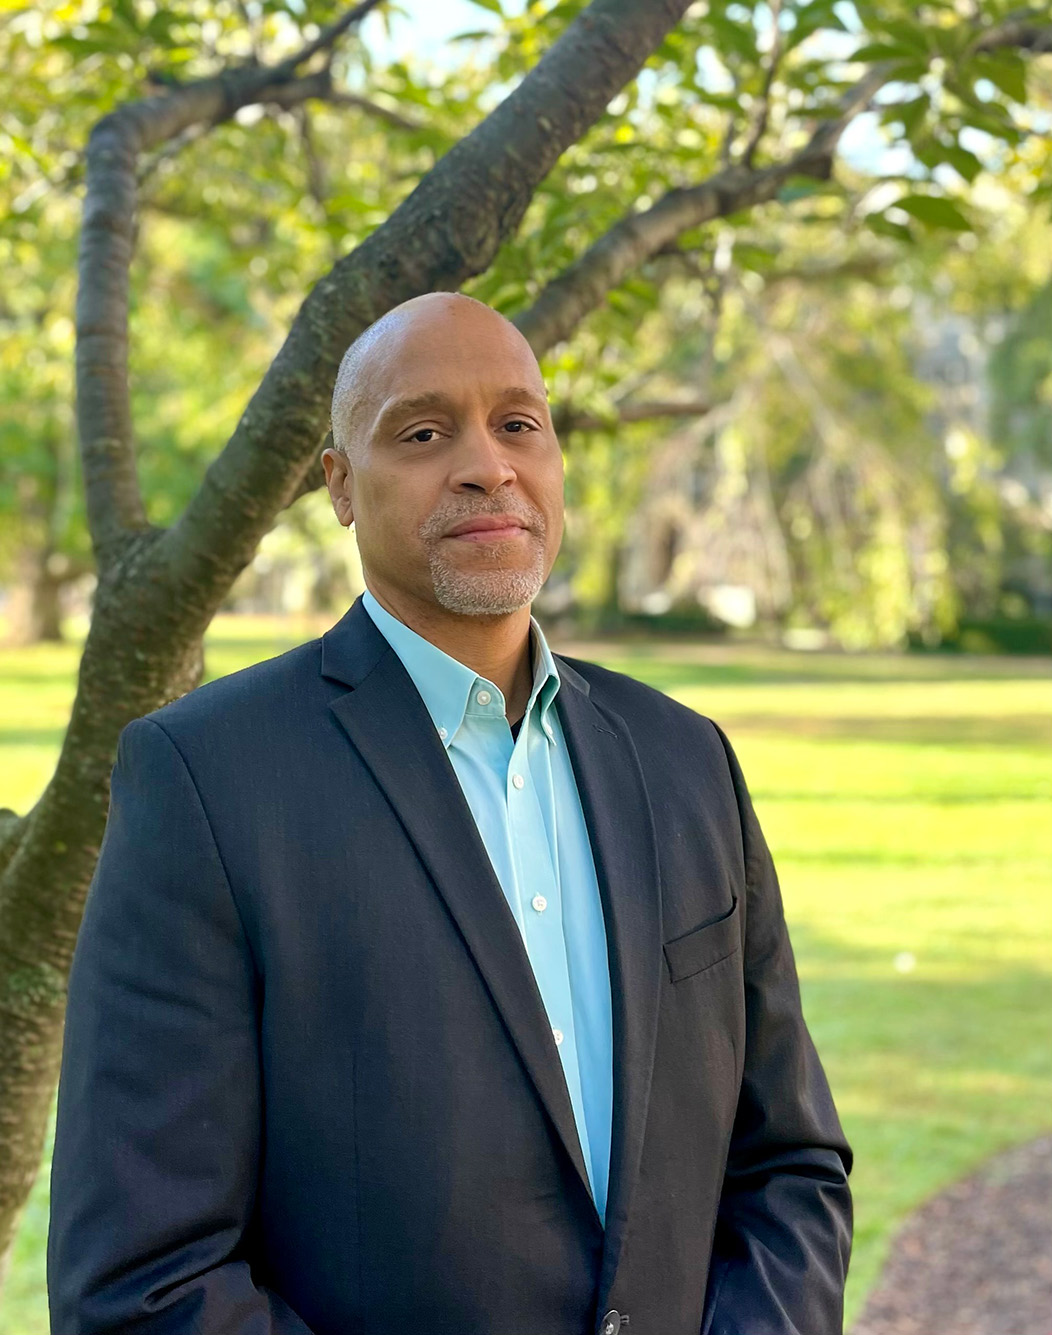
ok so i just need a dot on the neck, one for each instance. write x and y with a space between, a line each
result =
496 647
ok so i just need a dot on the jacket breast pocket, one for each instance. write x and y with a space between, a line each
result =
704 946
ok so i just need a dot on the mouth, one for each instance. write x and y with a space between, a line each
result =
488 528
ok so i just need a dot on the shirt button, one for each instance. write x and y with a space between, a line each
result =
557 1034
518 781
442 733
483 697
539 903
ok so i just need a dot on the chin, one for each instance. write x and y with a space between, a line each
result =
494 593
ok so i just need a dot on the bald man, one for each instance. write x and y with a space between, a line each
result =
431 981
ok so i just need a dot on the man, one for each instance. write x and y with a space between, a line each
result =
428 981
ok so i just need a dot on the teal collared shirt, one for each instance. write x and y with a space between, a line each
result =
523 795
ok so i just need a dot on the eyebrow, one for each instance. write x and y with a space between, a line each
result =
525 395
437 398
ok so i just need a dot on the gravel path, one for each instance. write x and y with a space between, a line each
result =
977 1259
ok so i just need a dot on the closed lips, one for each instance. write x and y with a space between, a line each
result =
487 526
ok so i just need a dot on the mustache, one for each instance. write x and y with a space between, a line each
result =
446 516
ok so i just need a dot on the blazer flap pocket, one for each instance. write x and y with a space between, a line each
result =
703 946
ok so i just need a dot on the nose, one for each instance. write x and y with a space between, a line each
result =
480 462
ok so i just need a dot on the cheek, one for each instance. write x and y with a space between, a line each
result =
389 514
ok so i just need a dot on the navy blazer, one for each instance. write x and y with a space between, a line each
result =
308 1085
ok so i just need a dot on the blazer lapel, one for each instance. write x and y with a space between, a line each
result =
617 813
388 723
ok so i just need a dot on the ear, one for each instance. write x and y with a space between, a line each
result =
340 481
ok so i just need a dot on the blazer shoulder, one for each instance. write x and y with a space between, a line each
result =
276 686
642 705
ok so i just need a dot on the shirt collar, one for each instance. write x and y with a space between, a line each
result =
448 687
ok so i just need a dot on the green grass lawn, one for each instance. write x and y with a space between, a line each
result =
907 801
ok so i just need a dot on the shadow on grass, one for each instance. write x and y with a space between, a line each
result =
40 675
253 650
922 797
648 663
904 858
32 736
1017 730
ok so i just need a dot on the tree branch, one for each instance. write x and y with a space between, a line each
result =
329 36
582 287
114 502
1023 32
445 232
293 93
759 128
376 110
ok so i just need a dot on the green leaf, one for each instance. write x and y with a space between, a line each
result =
494 6
760 259
125 11
799 187
733 37
876 222
1005 70
934 211
962 160
810 18
160 27
914 36
911 114
872 51
992 120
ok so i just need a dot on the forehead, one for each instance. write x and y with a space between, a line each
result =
435 351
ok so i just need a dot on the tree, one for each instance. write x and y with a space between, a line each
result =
159 586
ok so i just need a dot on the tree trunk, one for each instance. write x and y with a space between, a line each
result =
130 666
34 613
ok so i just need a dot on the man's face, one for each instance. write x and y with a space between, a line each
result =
453 475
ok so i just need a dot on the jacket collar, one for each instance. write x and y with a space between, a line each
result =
353 646
446 685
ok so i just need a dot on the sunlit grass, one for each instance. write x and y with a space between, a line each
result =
908 804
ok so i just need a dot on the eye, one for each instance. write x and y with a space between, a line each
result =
424 436
517 426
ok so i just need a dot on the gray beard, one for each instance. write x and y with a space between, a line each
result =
485 592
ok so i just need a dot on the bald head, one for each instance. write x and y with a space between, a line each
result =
377 363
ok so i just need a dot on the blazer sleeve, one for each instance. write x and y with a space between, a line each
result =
158 1132
783 1230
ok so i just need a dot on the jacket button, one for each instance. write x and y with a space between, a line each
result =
611 1323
